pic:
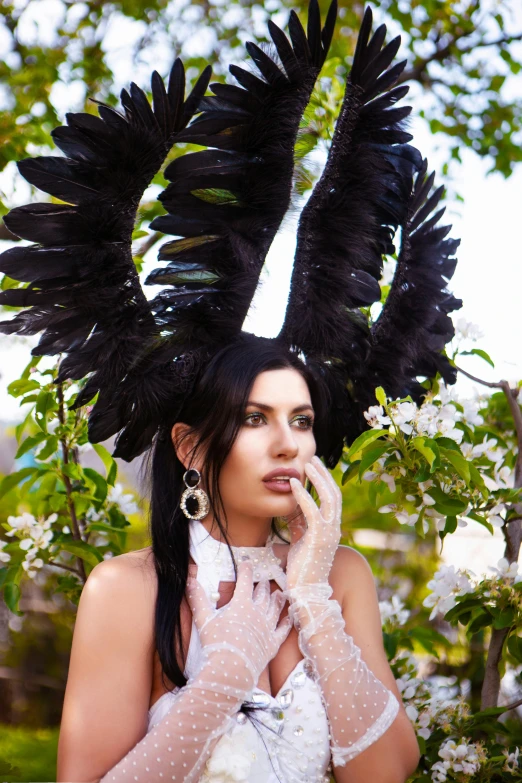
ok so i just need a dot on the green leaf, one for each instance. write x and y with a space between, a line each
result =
445 504
44 404
428 453
350 472
504 619
459 462
12 588
477 479
447 443
22 386
217 196
514 645
371 455
83 550
110 465
13 479
479 352
100 485
23 424
49 449
451 525
12 594
73 471
380 394
29 443
481 620
461 607
364 440
481 520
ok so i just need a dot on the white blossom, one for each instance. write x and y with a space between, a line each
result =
406 519
467 330
5 557
393 611
126 503
446 585
31 565
456 758
471 414
504 569
375 417
511 763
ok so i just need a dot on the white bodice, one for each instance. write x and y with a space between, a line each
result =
297 749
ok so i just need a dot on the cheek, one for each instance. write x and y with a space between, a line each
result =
243 465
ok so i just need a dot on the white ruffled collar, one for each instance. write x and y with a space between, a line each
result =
214 555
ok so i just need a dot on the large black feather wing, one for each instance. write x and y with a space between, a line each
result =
349 220
228 202
410 335
84 293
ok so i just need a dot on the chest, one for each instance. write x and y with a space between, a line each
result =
271 679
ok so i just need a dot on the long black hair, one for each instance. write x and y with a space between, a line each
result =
214 411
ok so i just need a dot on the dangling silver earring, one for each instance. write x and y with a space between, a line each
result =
194 502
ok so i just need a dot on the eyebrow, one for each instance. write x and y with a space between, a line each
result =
297 409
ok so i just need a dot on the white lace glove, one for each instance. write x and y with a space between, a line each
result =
238 641
360 708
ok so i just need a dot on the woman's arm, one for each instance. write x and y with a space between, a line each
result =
352 578
237 643
104 722
110 670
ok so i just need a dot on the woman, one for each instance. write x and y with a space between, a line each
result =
255 411
286 697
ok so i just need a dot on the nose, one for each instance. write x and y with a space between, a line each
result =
285 442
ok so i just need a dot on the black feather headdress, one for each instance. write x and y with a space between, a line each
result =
224 205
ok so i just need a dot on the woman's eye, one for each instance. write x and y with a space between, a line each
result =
307 420
253 415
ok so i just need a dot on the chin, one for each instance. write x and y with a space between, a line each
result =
281 507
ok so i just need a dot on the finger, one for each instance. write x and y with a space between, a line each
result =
330 481
305 500
277 602
282 630
245 581
326 496
296 526
198 601
262 592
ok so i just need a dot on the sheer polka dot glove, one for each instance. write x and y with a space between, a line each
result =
238 641
359 707
244 630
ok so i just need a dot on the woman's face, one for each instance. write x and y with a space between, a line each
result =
276 433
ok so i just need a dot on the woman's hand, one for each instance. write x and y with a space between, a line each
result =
312 550
246 628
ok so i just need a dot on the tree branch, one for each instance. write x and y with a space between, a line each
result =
513 538
66 567
67 480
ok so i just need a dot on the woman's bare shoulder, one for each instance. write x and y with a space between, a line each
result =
131 572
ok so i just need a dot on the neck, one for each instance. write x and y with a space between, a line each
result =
241 531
